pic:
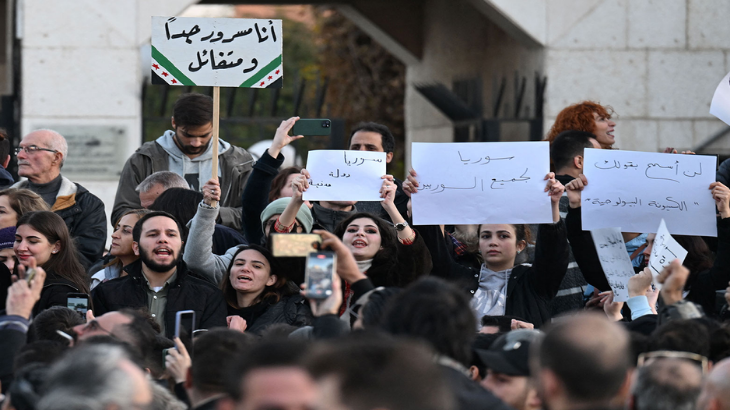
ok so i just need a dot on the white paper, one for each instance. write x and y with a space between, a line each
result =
217 51
720 106
481 182
614 260
663 252
638 189
338 175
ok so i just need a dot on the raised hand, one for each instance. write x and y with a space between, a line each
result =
721 195
673 278
574 188
211 191
282 137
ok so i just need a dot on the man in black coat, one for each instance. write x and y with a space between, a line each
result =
159 281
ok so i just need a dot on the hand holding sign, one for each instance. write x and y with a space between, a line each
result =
664 250
614 260
338 175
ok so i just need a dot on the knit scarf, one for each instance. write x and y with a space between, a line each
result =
491 296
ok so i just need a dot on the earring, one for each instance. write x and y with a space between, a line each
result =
518 252
54 251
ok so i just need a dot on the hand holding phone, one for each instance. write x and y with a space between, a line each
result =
177 361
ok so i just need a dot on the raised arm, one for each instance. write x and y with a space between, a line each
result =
584 249
256 193
198 253
551 247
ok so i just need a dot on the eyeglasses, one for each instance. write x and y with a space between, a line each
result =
30 149
646 358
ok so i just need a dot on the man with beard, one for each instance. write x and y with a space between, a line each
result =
160 281
186 150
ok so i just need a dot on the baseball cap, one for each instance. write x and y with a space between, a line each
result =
510 353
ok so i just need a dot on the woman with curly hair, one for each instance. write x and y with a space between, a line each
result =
586 116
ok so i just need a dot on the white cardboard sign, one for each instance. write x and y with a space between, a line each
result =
338 175
720 106
481 182
220 52
614 260
639 189
664 250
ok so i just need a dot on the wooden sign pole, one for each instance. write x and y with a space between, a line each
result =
216 116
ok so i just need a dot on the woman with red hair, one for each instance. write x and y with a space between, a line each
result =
586 116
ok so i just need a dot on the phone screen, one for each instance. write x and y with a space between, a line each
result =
185 324
320 266
78 303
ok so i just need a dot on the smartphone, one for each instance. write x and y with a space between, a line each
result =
312 127
294 244
318 276
185 324
79 302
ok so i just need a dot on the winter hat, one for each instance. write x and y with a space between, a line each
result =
304 215
7 237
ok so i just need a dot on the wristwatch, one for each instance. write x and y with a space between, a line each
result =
401 226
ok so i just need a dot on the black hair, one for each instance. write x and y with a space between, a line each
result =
567 145
46 324
192 109
137 230
372 312
212 351
686 335
45 352
387 139
266 354
699 257
179 202
437 312
271 294
376 372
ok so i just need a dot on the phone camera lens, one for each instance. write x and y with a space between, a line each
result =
325 124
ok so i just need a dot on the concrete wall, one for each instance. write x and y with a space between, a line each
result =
460 43
657 62
81 67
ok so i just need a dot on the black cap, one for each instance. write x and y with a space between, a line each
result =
510 353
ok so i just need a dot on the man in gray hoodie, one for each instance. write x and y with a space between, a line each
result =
187 151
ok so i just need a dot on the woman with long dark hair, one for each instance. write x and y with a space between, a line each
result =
43 236
257 291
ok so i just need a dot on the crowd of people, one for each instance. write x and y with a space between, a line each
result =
491 316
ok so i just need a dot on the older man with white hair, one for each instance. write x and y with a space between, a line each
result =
40 157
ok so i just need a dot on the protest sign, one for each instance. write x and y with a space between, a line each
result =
614 260
481 182
338 175
217 52
664 250
720 106
639 189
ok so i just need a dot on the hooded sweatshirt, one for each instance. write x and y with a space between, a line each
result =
196 171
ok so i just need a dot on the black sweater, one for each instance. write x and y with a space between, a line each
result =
529 288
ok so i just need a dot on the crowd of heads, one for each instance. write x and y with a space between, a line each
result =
416 317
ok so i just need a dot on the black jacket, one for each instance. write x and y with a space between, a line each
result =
701 285
529 288
54 293
255 195
186 293
293 310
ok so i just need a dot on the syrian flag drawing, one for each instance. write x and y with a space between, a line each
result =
161 75
270 76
